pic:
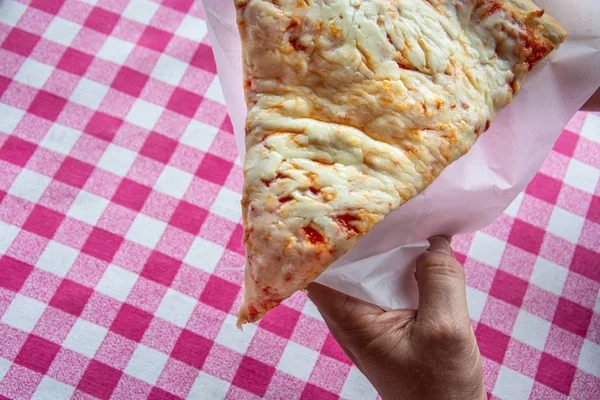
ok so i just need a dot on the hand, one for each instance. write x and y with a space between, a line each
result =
426 354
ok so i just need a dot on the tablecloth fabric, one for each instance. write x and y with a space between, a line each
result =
120 232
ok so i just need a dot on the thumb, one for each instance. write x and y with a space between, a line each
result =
441 281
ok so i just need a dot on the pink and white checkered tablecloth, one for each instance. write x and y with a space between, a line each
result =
120 234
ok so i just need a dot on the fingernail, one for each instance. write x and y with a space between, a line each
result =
439 244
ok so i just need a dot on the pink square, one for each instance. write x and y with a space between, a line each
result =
155 39
161 268
214 169
159 205
202 193
117 104
142 59
231 268
47 105
585 386
117 219
54 325
159 147
557 250
586 152
509 288
594 210
101 309
190 280
220 294
253 376
17 151
15 338
99 380
68 366
37 354
196 80
227 126
206 321
131 194
159 93
46 162
177 379
281 321
132 256
161 335
204 59
332 349
146 295
48 52
102 71
73 233
34 21
131 322
286 386
102 183
581 290
11 64
210 112
192 349
102 244
329 374
491 369
224 146
159 394
222 362
103 126
499 315
128 29
556 165
555 373
89 40
6 297
102 20
526 236
184 102
574 200
314 392
14 210
43 221
175 243
130 136
9 173
563 345
566 143
535 211
87 270
27 247
77 11
130 81
590 235
14 273
19 383
179 5
576 122
19 95
71 297
75 62
49 6
587 263
41 285
572 317
115 351
4 82
181 48
518 262
522 358
593 333
235 182
131 388
236 240
20 42
75 116
545 188
145 171
74 172
217 229
492 343
540 302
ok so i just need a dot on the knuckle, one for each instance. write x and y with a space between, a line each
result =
445 333
441 264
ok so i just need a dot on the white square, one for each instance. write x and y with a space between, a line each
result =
11 117
297 360
476 301
29 185
357 386
227 204
589 358
144 114
89 93
591 128
487 249
146 364
116 282
62 31
311 310
168 69
146 230
174 182
512 385
208 387
513 209
549 276
57 258
140 10
34 73
565 224
23 313
531 329
582 176
88 207
60 138
176 307
233 338
204 255
11 12
214 91
85 337
4 367
8 233
192 28
51 389
199 135
115 50
117 159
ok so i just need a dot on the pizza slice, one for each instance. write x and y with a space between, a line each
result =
355 107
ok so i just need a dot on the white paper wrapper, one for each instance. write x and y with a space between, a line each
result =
472 192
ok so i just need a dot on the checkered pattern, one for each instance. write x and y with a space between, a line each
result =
120 231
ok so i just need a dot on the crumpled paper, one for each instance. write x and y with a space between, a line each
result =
472 192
